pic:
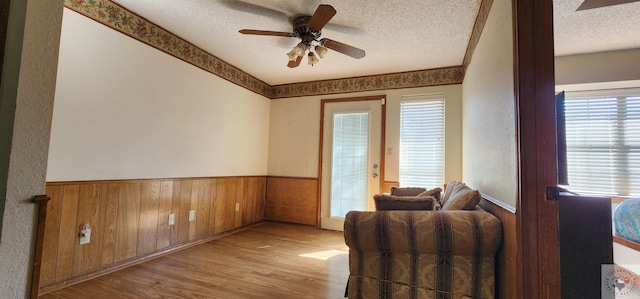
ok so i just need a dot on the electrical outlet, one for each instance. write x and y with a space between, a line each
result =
192 215
237 206
172 219
85 234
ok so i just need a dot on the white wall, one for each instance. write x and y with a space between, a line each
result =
598 71
295 130
598 67
626 257
489 140
28 159
131 111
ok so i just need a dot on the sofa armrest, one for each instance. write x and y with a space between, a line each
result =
468 233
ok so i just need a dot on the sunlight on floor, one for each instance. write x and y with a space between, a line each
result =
324 255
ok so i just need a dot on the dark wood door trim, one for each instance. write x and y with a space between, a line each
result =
536 218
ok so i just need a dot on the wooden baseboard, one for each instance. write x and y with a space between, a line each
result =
291 223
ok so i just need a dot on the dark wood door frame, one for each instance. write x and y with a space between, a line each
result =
536 218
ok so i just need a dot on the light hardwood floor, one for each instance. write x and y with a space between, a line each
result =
270 260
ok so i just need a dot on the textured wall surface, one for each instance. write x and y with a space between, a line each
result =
295 131
28 159
489 138
598 67
125 110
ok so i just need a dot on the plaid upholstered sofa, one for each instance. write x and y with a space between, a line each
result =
421 253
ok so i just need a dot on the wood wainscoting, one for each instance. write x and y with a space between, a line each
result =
296 200
293 200
129 221
386 186
506 271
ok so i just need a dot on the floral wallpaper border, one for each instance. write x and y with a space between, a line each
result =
433 77
478 26
135 26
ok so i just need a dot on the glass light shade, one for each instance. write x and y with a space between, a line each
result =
313 59
321 51
299 49
293 55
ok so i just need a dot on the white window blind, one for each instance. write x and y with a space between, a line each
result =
422 142
603 144
349 166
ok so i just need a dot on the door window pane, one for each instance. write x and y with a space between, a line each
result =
349 163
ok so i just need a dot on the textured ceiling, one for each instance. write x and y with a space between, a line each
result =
397 36
601 29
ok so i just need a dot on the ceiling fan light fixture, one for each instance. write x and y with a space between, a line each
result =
313 59
308 29
321 51
299 49
292 55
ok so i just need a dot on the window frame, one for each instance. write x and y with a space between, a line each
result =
440 98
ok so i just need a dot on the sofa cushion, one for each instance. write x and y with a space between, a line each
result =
407 191
459 196
435 192
386 202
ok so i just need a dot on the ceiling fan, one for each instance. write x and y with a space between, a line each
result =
590 4
308 29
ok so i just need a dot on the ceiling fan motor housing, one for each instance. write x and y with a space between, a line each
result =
306 34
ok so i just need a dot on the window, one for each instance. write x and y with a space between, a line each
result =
350 157
603 142
422 141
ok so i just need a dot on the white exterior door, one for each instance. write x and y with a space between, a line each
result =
350 159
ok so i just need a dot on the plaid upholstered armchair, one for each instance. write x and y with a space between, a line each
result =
422 254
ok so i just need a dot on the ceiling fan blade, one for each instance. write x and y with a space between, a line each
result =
254 9
295 63
343 48
321 17
589 4
345 29
265 32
